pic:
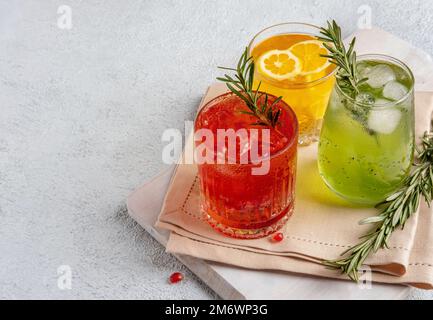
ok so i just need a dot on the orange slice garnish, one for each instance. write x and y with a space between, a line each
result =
308 52
279 64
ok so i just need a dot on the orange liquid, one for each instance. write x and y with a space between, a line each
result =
307 95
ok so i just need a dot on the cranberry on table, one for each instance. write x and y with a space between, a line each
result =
278 237
176 277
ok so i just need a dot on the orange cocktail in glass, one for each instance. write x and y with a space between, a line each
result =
235 199
288 63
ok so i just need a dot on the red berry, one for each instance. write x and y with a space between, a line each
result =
176 277
278 237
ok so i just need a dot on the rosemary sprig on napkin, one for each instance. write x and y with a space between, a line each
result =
396 210
242 85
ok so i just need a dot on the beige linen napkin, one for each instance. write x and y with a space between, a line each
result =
321 227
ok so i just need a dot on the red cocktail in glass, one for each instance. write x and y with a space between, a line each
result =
246 196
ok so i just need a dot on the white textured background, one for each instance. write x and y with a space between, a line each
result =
81 116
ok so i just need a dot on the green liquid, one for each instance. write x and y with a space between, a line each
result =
363 160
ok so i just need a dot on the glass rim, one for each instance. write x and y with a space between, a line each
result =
292 140
382 57
293 23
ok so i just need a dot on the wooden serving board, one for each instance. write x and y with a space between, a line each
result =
231 282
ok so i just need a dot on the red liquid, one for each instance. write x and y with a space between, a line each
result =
234 200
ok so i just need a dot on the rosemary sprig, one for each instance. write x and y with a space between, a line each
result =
396 210
347 75
242 83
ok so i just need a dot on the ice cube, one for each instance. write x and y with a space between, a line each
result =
384 120
394 90
363 70
379 76
365 98
380 102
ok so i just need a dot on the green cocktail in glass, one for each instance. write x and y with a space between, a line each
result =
367 142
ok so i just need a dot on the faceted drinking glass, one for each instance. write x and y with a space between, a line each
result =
237 198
